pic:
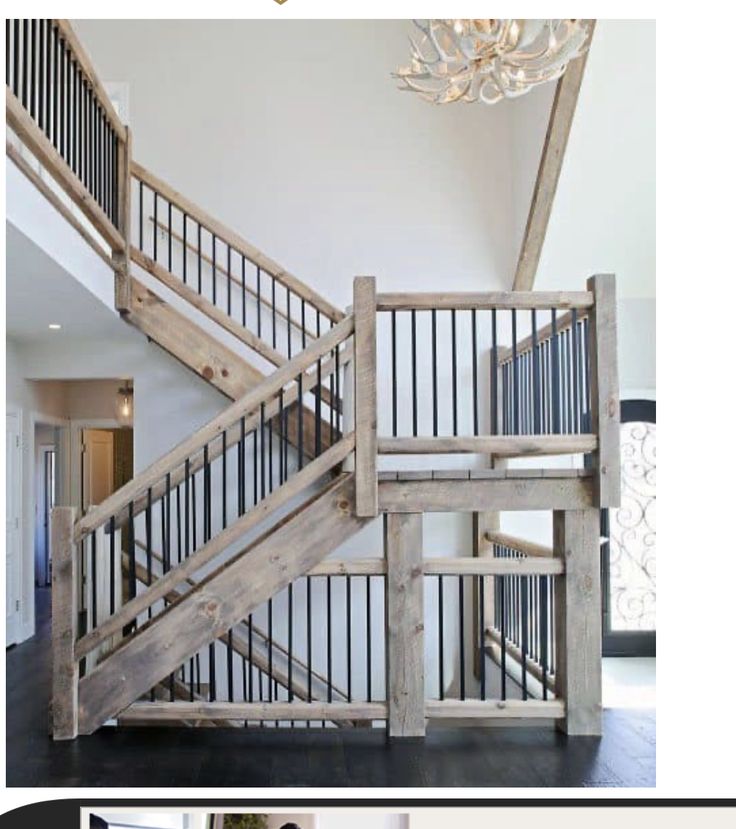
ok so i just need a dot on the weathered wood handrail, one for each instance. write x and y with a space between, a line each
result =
501 446
236 242
499 300
247 404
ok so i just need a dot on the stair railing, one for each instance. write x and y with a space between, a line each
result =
197 502
516 374
57 106
223 275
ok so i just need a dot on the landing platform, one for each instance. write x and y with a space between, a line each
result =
477 490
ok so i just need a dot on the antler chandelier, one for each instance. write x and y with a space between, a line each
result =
486 60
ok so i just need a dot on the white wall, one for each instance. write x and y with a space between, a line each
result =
294 133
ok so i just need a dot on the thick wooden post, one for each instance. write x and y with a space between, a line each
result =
605 405
64 624
366 414
121 258
483 523
578 620
405 624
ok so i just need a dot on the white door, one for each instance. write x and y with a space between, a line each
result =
13 495
97 466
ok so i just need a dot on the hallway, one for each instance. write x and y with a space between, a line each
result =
506 756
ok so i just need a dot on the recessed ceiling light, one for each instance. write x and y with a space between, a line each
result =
54 326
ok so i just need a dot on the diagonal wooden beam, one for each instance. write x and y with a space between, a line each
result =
553 153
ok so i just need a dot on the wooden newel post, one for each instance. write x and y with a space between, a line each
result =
64 624
578 620
605 405
366 407
121 258
404 624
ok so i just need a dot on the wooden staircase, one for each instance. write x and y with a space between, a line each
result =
197 550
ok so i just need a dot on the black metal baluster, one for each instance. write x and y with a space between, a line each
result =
329 638
230 683
132 581
93 568
224 478
414 390
199 258
524 586
435 405
250 657
394 377
24 83
212 672
494 375
288 323
273 312
168 233
369 641
482 630
258 301
214 269
555 377
502 615
309 638
33 69
155 226
349 636
184 247
474 330
290 642
229 282
441 634
112 565
453 317
461 608
186 507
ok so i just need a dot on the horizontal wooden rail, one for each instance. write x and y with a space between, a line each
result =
446 566
521 545
256 711
500 446
499 300
262 393
237 242
504 709
493 567
307 476
163 227
493 646
36 141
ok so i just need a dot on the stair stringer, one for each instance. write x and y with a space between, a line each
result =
211 360
218 603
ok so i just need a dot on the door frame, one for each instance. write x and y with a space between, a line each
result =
628 642
14 634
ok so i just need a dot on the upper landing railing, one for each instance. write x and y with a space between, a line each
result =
58 107
506 375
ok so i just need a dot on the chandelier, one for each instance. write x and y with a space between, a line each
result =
486 60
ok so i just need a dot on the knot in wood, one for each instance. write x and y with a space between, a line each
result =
208 373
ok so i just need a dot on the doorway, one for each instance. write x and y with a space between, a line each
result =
45 482
629 534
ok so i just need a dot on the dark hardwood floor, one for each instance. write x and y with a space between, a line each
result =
179 757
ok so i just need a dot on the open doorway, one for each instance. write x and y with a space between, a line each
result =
45 443
105 463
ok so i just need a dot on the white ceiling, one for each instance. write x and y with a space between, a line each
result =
40 291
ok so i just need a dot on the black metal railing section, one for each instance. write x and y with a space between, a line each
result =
521 635
489 637
485 371
320 639
545 377
49 76
257 300
140 549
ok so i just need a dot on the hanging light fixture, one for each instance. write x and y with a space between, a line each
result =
487 60
124 405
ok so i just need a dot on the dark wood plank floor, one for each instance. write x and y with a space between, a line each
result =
624 756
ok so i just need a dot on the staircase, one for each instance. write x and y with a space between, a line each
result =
205 591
